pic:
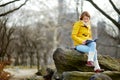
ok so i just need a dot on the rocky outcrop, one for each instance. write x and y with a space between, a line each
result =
69 60
76 75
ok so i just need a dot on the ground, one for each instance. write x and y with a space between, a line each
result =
22 74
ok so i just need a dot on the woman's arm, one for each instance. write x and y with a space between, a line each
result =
75 31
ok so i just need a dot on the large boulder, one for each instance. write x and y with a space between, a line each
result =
71 65
76 75
72 60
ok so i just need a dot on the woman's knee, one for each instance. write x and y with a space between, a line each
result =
82 48
92 47
93 44
79 47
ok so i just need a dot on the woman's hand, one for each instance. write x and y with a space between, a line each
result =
84 42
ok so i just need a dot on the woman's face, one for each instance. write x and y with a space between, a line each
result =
86 19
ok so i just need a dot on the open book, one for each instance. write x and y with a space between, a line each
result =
89 41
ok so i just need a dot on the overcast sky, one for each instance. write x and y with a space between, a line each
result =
38 5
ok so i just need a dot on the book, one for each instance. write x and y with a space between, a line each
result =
89 41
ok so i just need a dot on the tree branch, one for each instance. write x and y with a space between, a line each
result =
8 12
114 7
106 15
10 32
2 5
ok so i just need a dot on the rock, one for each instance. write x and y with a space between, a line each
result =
75 75
49 74
71 60
109 63
100 76
70 65
115 75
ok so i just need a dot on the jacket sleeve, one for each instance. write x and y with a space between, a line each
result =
75 31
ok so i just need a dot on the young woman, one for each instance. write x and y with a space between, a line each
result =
82 38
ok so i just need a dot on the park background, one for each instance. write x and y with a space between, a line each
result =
31 30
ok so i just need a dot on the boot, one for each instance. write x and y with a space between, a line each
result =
90 64
99 70
97 67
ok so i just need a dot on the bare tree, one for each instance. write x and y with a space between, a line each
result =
107 15
11 10
6 32
5 37
109 39
79 2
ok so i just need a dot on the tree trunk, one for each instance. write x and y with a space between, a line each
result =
38 61
31 59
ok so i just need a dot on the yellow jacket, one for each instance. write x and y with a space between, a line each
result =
80 33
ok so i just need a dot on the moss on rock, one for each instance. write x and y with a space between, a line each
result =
72 65
71 60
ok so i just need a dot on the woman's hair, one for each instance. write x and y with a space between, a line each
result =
85 13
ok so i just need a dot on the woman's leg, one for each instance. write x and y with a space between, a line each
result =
87 48
96 64
92 49
92 46
95 56
83 48
92 55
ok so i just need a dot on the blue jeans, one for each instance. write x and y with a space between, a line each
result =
91 47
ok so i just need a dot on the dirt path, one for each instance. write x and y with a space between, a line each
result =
22 74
